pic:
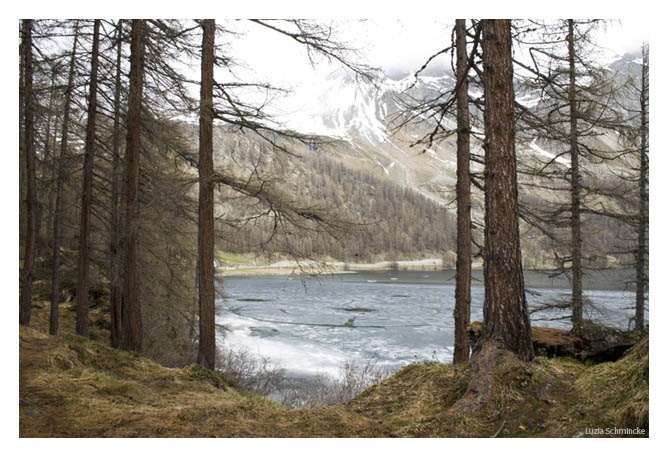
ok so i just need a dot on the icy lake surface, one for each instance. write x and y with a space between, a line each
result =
313 326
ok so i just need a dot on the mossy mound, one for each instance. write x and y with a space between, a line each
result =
618 391
74 387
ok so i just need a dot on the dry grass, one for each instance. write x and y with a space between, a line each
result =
76 387
618 392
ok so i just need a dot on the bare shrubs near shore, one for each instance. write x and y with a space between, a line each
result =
324 390
254 374
260 375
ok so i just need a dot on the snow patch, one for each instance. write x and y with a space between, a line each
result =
543 152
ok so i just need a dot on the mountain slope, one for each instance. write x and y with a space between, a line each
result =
353 123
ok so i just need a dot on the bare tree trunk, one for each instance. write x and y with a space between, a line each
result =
25 300
22 157
114 245
463 265
132 319
576 240
49 155
207 348
642 245
60 180
505 317
86 197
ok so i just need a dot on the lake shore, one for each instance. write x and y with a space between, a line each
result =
327 268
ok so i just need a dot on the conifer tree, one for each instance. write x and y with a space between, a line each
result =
86 195
505 316
25 301
207 336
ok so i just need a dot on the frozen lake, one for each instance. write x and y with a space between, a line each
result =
314 325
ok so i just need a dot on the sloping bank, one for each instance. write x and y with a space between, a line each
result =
75 387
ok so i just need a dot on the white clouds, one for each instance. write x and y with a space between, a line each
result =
391 44
396 45
625 35
404 45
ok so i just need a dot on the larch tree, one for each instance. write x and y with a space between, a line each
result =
463 274
49 158
86 196
505 315
132 319
575 108
642 230
219 101
60 182
115 213
207 336
575 177
25 300
452 101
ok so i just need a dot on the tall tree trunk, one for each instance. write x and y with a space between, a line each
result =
132 318
22 157
25 300
207 348
642 245
463 264
60 181
576 240
505 317
86 197
50 157
114 244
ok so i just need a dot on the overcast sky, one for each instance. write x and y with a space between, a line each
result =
395 45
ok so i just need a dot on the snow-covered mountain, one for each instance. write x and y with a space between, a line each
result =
361 115
352 121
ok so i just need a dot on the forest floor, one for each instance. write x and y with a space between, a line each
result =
76 387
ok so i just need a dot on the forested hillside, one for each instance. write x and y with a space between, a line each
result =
382 217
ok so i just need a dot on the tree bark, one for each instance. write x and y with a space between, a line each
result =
132 319
25 300
49 155
60 181
575 174
115 239
505 317
22 156
642 244
464 242
86 196
207 340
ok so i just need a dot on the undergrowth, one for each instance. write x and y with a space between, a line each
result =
71 386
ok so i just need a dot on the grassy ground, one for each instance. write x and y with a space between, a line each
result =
76 387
